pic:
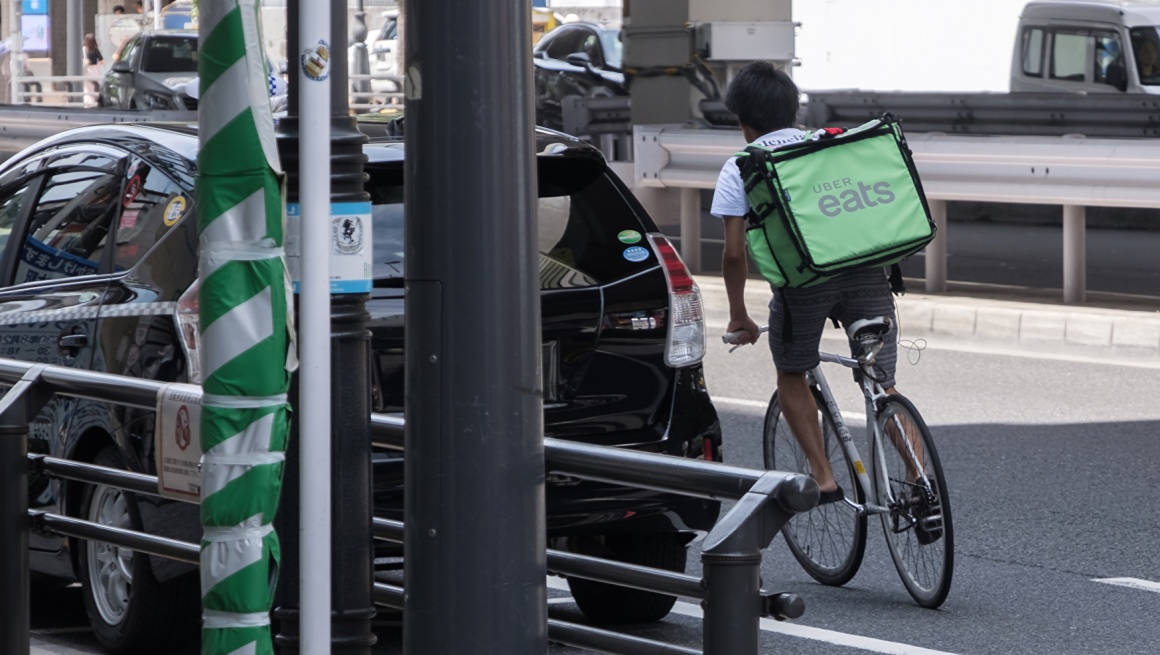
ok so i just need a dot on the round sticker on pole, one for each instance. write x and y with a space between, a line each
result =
316 62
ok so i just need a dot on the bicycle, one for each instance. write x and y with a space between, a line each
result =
907 487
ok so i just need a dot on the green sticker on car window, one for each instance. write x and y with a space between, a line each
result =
629 236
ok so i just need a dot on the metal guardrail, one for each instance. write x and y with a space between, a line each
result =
23 125
1075 172
46 89
1024 114
606 120
731 554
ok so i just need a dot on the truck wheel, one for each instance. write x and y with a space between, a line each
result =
606 603
129 610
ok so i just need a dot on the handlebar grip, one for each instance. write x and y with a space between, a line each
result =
731 337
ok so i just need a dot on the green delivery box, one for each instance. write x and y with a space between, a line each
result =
832 204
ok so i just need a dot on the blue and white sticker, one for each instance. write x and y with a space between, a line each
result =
635 254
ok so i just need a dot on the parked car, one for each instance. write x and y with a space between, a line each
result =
576 59
97 272
151 70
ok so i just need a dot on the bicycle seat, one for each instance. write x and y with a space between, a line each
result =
869 329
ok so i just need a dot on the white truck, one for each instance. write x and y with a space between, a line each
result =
1092 46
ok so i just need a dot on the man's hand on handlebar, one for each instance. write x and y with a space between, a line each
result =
742 331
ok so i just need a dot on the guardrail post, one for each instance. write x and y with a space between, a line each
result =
15 408
936 251
1074 253
731 557
691 228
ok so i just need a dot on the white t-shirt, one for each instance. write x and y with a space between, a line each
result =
729 198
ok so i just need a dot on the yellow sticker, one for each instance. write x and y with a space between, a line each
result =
174 210
859 469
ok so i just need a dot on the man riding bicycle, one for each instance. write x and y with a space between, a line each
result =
765 101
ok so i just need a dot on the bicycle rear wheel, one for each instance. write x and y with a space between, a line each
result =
830 540
919 531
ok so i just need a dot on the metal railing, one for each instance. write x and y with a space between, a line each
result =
58 90
730 589
365 97
604 120
1074 172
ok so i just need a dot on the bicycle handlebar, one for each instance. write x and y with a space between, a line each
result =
731 337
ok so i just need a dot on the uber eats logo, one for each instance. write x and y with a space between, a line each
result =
849 196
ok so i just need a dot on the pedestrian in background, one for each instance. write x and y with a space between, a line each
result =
118 9
93 60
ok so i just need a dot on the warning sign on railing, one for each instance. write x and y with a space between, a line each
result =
178 442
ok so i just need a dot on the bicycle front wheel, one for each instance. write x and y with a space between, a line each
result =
918 526
829 540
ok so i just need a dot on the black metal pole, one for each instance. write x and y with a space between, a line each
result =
351 542
14 581
475 533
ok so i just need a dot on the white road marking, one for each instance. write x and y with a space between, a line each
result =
763 404
803 631
1131 583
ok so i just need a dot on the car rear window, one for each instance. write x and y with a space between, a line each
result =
171 55
588 234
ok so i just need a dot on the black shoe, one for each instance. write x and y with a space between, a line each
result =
828 497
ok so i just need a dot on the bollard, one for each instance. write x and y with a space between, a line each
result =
731 558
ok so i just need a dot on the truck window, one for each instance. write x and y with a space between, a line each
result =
1069 53
1033 52
1146 48
1109 60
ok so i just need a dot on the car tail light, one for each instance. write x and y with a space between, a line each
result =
686 344
188 327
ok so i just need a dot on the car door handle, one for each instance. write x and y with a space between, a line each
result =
73 341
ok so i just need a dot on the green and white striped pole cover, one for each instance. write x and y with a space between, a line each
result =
247 332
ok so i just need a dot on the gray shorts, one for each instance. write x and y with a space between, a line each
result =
864 293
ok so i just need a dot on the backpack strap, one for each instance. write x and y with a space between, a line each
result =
897 285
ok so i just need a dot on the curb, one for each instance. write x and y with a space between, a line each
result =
1017 322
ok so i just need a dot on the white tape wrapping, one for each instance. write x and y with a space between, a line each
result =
235 533
216 619
224 557
243 402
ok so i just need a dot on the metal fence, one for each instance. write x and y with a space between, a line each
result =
730 589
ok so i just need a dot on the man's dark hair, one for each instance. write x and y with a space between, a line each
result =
118 9
763 98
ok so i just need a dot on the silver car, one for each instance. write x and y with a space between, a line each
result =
151 70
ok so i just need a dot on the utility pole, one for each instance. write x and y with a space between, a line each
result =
475 562
352 604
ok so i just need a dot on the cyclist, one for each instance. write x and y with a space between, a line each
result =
765 101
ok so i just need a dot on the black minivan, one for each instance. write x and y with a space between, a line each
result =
98 270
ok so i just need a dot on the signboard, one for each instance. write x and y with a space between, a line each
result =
177 441
351 246
34 29
38 7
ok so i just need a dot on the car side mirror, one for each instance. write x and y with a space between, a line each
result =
122 67
579 59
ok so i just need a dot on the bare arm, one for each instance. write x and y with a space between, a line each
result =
735 270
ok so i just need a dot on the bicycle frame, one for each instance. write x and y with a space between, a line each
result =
873 392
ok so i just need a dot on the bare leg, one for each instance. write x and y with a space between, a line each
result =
912 436
797 403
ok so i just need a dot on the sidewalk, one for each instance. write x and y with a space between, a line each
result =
1113 326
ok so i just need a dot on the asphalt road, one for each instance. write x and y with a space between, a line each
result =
1047 461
